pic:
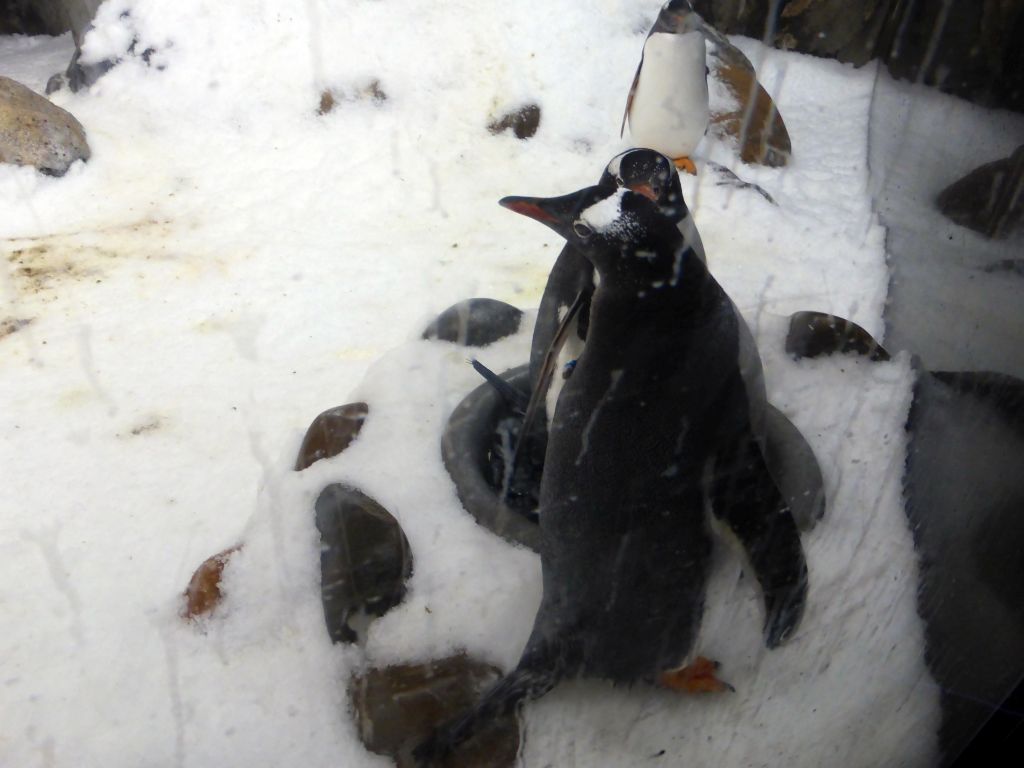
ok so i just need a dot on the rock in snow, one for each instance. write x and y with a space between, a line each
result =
33 131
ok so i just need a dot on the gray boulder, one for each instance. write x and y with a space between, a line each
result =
33 131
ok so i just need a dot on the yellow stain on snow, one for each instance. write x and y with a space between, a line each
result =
76 398
358 353
40 266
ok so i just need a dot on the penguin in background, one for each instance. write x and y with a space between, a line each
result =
667 107
653 423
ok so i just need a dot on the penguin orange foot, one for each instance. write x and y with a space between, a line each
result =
698 677
685 164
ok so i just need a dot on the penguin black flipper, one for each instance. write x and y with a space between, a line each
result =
632 93
571 274
547 369
746 499
794 466
516 398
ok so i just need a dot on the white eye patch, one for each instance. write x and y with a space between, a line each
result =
606 216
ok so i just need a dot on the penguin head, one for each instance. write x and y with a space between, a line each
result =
624 234
651 174
676 18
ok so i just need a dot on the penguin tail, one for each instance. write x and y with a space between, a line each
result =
512 395
527 681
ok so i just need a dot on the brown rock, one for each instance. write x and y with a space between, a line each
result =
331 433
397 707
523 122
33 131
331 97
203 592
813 334
365 559
748 119
989 199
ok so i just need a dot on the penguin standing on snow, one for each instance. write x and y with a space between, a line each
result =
790 460
667 107
641 170
652 423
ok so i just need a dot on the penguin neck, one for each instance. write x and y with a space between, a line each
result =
666 271
674 282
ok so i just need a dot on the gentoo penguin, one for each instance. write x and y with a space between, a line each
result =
644 171
791 461
667 107
652 424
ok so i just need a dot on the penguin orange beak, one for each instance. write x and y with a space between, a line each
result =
643 189
558 213
529 206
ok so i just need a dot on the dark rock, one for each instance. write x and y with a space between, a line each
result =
331 433
397 707
729 179
55 83
364 559
46 17
523 122
203 592
749 121
989 199
23 17
81 75
475 322
35 132
813 334
475 447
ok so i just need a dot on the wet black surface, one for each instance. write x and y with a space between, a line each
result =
955 303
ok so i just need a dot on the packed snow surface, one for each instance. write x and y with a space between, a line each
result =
230 263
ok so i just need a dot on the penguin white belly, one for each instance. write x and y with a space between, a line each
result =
669 111
570 351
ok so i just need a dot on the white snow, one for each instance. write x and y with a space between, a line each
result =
922 142
229 264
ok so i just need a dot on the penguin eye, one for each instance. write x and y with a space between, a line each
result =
582 230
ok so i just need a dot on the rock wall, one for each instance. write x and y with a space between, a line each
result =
46 17
965 47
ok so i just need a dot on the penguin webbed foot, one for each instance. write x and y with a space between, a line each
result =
697 677
685 164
